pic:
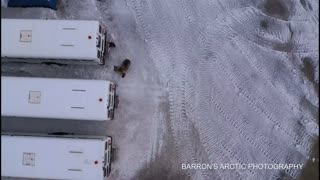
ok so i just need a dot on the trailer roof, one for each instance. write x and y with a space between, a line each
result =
55 98
52 158
51 39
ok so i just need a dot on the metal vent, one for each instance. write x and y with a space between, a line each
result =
34 97
29 159
25 36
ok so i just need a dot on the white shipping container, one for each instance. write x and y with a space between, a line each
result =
59 41
55 157
77 99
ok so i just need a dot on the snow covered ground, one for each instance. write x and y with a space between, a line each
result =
211 81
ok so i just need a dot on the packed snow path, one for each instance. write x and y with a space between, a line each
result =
219 82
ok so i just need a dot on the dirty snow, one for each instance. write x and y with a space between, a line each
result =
211 82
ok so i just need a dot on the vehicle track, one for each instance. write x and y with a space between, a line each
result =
258 106
182 113
197 93
238 125
279 42
256 60
254 97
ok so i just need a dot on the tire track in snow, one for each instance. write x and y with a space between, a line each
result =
216 144
163 65
181 104
259 108
277 152
250 98
257 53
183 113
308 122
211 143
138 7
227 150
217 149
210 132
249 15
255 139
271 104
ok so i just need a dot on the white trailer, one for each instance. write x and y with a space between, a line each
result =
53 41
77 99
55 157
